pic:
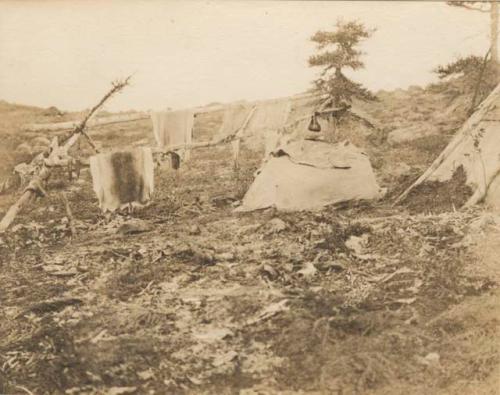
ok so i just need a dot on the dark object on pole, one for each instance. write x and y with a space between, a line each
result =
175 160
314 125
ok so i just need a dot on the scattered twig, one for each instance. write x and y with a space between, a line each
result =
25 389
464 4
51 306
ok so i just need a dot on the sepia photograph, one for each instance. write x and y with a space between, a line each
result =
249 197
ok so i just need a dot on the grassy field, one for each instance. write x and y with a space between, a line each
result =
362 299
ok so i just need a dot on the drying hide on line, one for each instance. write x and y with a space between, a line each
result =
296 129
292 124
121 179
174 128
234 118
269 116
310 174
476 150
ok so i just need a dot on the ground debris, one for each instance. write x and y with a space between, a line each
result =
194 230
275 225
270 311
308 271
52 305
60 271
195 254
431 359
134 226
120 390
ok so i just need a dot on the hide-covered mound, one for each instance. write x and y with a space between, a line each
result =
310 174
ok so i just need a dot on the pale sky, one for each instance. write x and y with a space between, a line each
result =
182 54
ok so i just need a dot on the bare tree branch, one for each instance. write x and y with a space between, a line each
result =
117 86
464 4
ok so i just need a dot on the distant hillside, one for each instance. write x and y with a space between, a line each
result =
409 114
415 125
12 118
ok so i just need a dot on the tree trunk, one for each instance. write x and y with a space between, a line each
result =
494 31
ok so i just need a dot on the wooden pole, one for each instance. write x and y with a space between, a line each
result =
224 140
494 31
141 116
478 83
237 139
69 214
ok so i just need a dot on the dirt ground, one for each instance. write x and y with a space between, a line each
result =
186 296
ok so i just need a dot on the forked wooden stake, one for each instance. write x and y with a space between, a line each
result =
35 187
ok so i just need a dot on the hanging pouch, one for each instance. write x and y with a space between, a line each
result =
314 125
